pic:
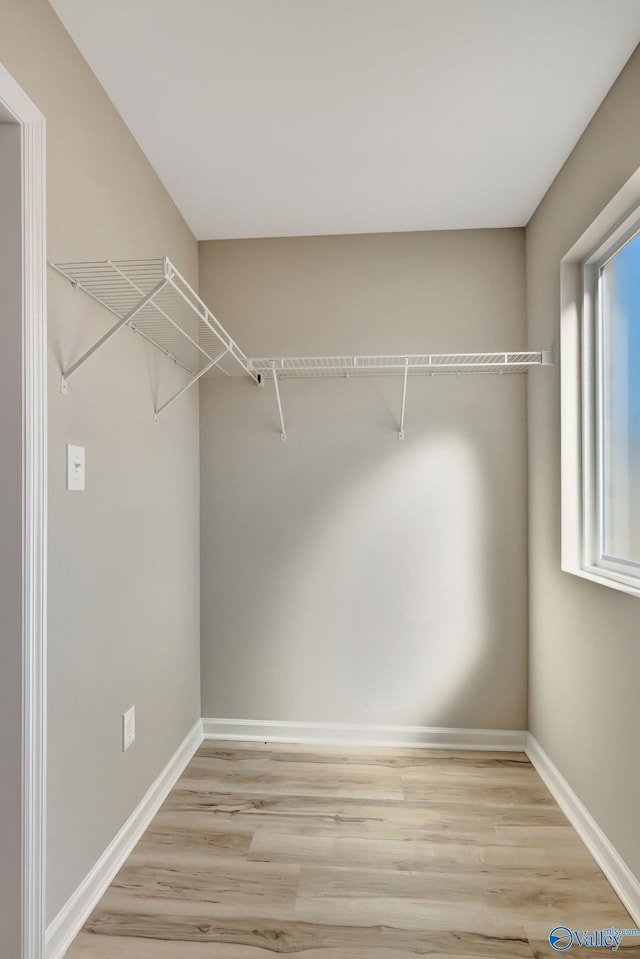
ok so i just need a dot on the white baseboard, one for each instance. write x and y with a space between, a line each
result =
354 734
626 885
67 924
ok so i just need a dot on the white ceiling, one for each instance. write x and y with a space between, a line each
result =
296 117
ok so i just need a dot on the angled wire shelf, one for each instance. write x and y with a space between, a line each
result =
152 298
430 363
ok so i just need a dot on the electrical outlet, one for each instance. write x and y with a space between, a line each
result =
128 728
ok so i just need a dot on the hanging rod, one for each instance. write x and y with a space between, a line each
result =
152 298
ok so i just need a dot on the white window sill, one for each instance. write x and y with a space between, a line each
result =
596 575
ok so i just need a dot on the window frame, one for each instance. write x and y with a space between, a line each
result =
594 563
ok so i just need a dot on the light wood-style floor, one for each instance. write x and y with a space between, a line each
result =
353 854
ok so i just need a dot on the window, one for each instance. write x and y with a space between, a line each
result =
619 365
610 404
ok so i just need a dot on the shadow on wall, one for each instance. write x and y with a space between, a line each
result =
387 609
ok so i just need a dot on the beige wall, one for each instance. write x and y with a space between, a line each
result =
347 576
10 538
585 638
124 555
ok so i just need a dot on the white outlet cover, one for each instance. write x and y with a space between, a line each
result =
128 728
75 467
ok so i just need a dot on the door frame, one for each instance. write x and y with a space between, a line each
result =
34 510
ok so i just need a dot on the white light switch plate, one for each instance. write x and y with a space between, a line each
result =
128 728
75 467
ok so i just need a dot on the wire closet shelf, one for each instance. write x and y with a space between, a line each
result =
152 298
425 363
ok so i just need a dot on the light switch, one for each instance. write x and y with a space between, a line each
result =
75 467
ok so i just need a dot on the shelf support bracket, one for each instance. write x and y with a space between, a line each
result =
112 332
404 400
283 432
194 379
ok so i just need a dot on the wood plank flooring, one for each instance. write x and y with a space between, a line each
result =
336 853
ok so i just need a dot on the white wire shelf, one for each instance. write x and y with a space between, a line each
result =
433 364
152 298
427 363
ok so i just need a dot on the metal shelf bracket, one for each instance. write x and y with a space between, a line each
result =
404 399
125 321
283 431
194 379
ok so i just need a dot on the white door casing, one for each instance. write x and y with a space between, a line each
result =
34 505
